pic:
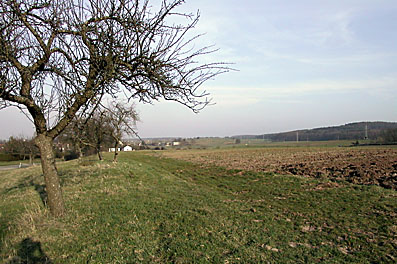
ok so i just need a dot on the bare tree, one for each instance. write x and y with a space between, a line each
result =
73 134
98 131
89 131
121 119
79 131
57 56
21 148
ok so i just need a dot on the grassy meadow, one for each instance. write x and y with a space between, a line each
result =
148 208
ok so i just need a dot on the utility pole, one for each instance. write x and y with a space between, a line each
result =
297 136
366 131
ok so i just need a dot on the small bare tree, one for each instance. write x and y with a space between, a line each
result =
21 147
98 131
121 119
96 127
57 56
74 134
80 130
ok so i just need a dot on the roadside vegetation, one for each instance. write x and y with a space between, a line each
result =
149 208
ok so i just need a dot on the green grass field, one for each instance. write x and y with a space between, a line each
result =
149 209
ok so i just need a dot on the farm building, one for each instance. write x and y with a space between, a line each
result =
127 148
113 149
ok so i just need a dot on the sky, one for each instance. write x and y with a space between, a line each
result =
299 64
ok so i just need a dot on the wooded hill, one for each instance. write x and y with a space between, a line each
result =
351 131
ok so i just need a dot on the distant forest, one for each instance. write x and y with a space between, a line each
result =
380 131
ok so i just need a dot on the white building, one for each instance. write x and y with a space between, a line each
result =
127 148
113 149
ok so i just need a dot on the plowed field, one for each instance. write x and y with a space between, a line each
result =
371 165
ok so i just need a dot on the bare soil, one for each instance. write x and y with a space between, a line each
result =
369 166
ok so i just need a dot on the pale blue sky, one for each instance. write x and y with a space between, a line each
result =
302 64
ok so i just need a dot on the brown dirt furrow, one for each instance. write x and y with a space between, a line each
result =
367 166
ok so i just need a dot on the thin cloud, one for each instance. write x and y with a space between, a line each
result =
333 86
250 95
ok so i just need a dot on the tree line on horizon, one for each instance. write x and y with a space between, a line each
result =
381 132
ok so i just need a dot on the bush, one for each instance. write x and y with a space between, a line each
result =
71 155
389 136
159 148
8 157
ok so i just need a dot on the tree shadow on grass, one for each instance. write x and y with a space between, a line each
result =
27 182
40 189
5 218
3 231
30 252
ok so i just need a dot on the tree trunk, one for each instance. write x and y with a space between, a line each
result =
51 178
115 151
98 145
77 147
98 149
100 155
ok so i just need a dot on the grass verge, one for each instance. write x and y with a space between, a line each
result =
149 209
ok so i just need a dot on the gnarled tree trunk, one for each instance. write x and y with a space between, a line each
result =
51 178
